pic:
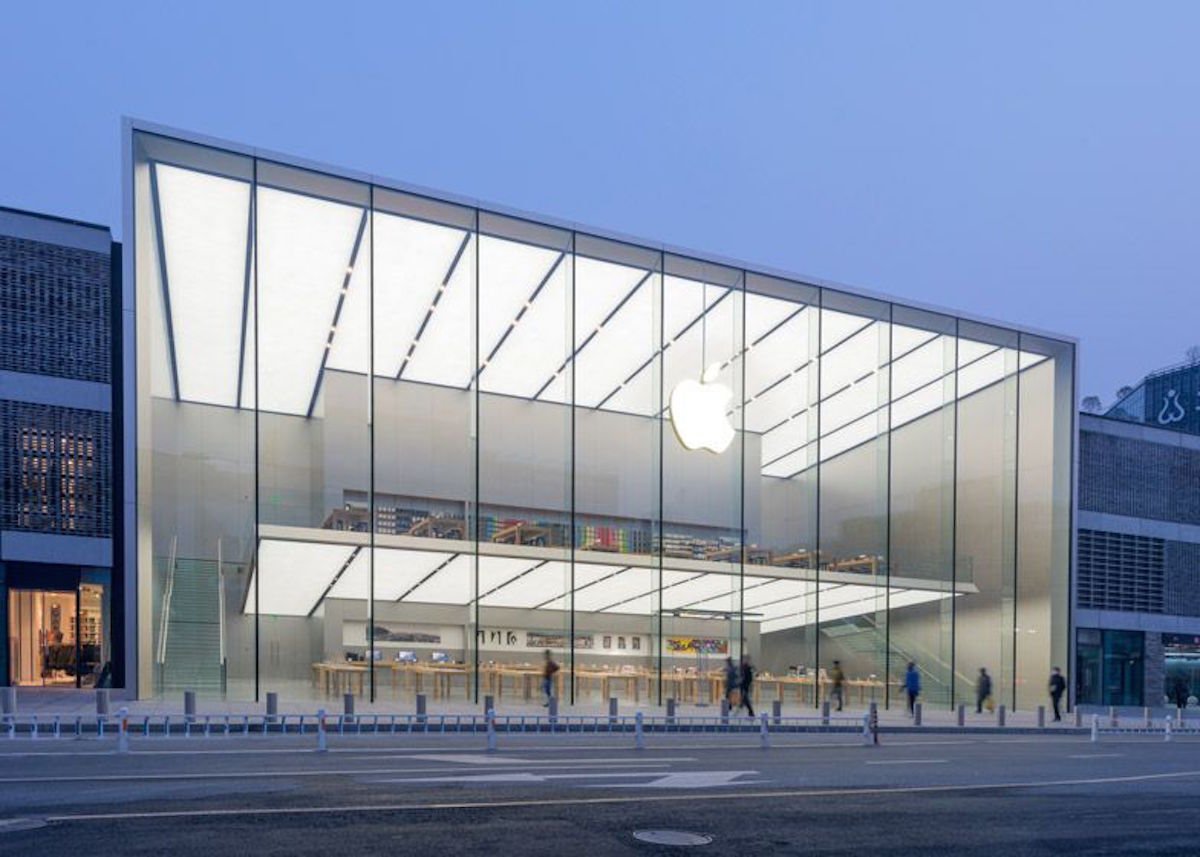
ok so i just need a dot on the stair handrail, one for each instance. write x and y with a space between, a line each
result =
164 619
220 606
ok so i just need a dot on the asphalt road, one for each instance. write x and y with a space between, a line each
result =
805 794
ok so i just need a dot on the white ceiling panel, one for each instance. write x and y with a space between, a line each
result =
905 338
790 435
628 340
509 274
922 365
496 571
350 351
204 233
849 404
292 576
699 588
443 355
532 587
537 344
304 248
779 354
860 431
396 572
586 574
452 584
985 371
837 326
922 402
852 359
412 259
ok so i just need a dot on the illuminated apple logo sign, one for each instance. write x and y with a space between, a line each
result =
698 412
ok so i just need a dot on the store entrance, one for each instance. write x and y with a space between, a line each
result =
55 637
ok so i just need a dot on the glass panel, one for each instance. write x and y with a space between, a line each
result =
851 599
193 221
921 547
525 459
313 264
423 331
617 374
782 330
703 448
985 518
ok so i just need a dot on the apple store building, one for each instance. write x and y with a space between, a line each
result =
390 442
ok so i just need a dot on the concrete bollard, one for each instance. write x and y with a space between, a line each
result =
1167 729
272 704
1001 715
962 715
553 710
671 711
8 700
763 736
102 701
491 730
1095 728
489 703
917 713
1146 716
1041 717
1078 719
724 711
421 706
777 712
612 709
123 731
866 730
348 704
825 713
639 735
189 706
1112 716
321 744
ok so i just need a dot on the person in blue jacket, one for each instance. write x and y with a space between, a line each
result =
912 685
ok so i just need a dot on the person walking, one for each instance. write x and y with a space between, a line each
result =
549 668
731 681
1058 686
912 686
839 683
983 690
747 680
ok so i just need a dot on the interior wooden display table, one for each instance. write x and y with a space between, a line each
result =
605 680
527 680
438 678
337 678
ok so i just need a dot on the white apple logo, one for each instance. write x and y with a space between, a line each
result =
698 412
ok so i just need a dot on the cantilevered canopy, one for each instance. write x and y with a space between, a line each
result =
294 577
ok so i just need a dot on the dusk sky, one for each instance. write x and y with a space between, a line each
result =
1036 163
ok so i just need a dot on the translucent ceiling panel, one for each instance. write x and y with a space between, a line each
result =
850 403
586 575
711 340
496 572
441 353
529 589
838 441
777 355
618 349
396 572
351 346
923 401
304 250
838 326
984 371
536 342
921 365
698 589
292 576
905 338
412 261
786 437
780 401
513 276
205 226
449 584
854 360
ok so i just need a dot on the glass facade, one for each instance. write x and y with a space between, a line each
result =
390 444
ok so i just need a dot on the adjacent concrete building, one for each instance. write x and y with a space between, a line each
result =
60 542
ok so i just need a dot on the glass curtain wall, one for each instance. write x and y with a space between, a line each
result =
391 445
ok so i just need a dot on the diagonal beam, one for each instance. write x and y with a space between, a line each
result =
246 297
336 578
337 312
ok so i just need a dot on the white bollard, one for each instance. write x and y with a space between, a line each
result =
764 738
962 715
1167 729
491 731
123 731
639 737
1095 728
866 730
321 746
825 713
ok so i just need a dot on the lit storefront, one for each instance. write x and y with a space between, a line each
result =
387 443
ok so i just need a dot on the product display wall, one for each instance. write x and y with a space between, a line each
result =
373 421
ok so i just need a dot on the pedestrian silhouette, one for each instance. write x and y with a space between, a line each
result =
747 680
983 691
912 686
1058 686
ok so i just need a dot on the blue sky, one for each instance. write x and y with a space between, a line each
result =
1032 162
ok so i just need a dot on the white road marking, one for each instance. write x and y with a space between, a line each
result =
693 780
1096 755
512 777
909 762
584 801
333 772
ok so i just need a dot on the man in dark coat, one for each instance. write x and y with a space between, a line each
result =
1058 686
983 689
